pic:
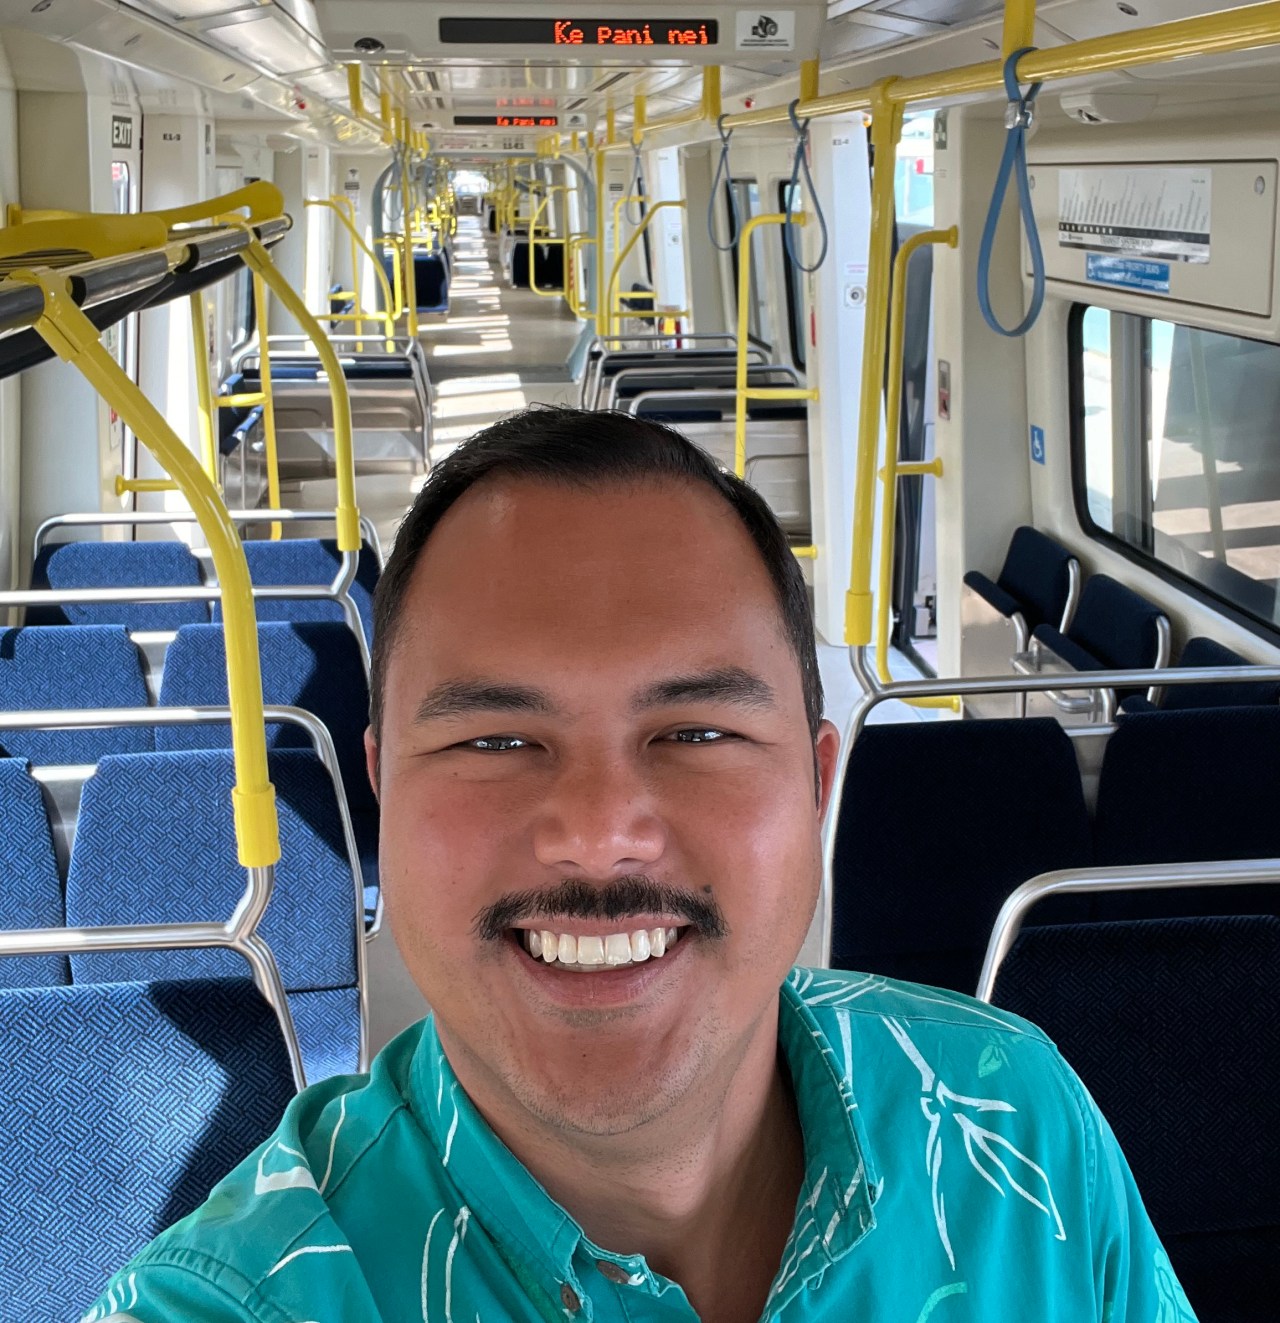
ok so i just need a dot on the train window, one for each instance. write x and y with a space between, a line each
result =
242 309
1175 451
913 171
746 194
790 199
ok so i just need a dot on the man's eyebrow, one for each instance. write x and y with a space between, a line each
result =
461 698
726 684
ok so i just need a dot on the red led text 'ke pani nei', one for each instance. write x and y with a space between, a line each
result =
567 33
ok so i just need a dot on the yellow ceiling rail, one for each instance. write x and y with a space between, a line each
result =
893 470
886 129
74 338
742 391
1248 27
615 275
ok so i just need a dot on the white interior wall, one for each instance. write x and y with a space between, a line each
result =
288 254
10 387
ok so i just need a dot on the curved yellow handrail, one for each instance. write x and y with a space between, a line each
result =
392 311
892 470
74 338
615 275
262 200
55 238
533 238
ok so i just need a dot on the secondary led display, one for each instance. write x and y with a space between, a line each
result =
507 121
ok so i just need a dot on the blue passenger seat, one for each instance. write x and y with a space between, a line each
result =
315 665
1200 652
123 1105
308 561
155 843
1034 585
128 565
32 893
1196 785
1174 1027
70 666
939 822
1114 629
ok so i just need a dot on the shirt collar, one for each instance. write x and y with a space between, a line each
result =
833 1213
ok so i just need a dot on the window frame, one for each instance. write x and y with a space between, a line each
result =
797 318
756 313
1268 630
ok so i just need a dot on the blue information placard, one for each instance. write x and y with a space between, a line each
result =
1127 273
1037 444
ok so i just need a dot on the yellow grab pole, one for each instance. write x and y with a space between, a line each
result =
347 513
886 129
391 306
204 387
616 274
262 306
409 278
892 470
124 485
602 301
1019 26
75 340
744 310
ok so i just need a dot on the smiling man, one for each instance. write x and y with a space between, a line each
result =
598 745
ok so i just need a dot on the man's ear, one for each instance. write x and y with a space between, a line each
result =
371 759
826 757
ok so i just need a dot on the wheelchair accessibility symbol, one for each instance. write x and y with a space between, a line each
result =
764 26
1037 444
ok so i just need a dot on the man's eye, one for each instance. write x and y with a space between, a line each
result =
496 743
700 735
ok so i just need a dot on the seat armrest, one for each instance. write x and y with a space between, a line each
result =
993 594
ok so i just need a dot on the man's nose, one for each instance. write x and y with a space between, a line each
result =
599 819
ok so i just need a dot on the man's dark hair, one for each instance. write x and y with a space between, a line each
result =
576 448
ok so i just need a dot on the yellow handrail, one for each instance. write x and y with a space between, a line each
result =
533 238
267 398
886 129
391 311
409 282
1245 28
576 241
74 338
742 390
615 275
893 470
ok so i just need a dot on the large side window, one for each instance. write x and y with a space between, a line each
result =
790 199
1177 451
746 194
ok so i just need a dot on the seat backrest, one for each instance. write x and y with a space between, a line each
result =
312 664
156 844
123 1105
1202 651
307 560
939 822
71 666
1037 571
1173 1027
128 565
1116 625
31 896
1196 785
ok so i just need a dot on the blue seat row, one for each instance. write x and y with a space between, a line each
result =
68 565
940 821
314 665
155 843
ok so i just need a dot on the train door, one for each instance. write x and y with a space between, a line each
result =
121 339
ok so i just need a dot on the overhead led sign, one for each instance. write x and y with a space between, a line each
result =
579 32
507 121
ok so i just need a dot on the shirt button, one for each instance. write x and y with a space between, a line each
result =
613 1272
569 1298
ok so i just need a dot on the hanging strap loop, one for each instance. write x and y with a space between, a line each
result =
722 171
799 163
1018 118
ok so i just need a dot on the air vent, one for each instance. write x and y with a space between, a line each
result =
609 82
947 13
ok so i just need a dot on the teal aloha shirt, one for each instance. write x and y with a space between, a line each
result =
956 1171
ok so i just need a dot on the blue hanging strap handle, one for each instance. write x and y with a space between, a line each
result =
722 169
801 162
1017 120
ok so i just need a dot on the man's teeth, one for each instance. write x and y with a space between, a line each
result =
600 952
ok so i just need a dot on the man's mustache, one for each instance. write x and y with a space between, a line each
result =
619 899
